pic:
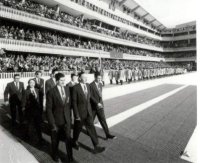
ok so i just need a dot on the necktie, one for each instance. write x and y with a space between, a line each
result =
63 95
38 81
85 91
99 89
17 85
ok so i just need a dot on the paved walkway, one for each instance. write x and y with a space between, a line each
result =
159 133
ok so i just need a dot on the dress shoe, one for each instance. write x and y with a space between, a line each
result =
56 158
41 142
99 149
75 145
110 137
72 160
14 123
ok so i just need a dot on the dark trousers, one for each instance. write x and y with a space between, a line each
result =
116 81
121 81
37 123
111 81
88 122
13 109
63 131
129 80
101 116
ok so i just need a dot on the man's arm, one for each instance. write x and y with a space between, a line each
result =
92 98
6 92
24 99
74 102
47 87
50 116
23 90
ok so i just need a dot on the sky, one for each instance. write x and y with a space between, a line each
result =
171 12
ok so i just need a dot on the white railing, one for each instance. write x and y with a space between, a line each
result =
6 75
176 38
179 49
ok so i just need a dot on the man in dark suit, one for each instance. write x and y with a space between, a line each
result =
73 81
39 84
97 104
15 90
83 113
58 105
31 105
50 83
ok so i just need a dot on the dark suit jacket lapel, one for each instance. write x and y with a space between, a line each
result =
81 91
57 93
52 82
67 97
14 86
88 91
95 86
37 93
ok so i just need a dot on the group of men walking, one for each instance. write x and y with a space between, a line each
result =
80 98
135 74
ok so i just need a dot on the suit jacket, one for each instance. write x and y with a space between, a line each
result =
40 86
31 103
121 74
96 96
70 84
58 112
129 74
110 74
80 104
49 84
13 93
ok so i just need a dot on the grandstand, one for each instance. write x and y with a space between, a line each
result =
54 28
77 35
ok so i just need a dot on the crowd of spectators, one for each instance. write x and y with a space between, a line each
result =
180 54
53 13
178 44
13 30
23 62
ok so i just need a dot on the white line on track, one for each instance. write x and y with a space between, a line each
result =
190 152
130 112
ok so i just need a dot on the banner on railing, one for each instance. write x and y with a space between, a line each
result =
114 54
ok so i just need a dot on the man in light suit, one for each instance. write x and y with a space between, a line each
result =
121 75
129 74
110 74
83 113
117 75
58 106
15 90
50 83
97 104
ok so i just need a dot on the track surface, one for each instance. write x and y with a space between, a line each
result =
159 133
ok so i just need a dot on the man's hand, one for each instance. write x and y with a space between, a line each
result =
23 109
55 129
78 119
99 105
6 103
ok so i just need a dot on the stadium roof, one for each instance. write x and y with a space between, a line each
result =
135 6
169 13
